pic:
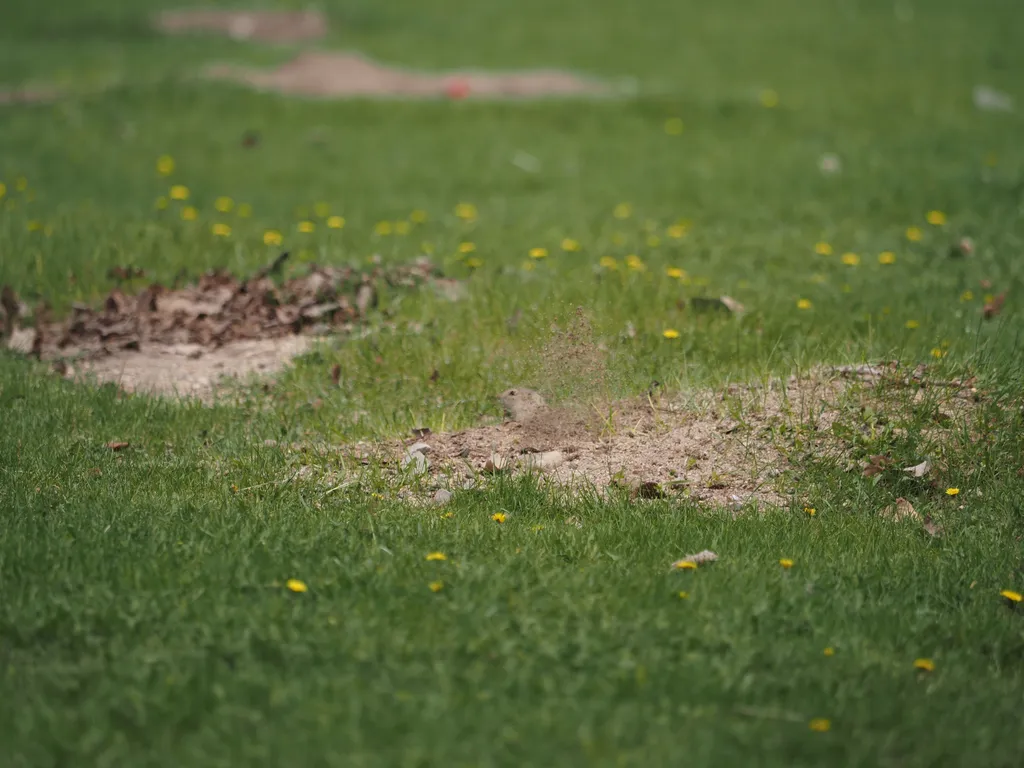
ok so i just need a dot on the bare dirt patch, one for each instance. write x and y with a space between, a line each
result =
182 341
263 26
339 75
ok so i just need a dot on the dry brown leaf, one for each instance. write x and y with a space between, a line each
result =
901 510
704 556
116 445
919 470
933 528
719 304
876 465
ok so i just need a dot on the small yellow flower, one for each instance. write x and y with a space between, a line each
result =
925 665
675 272
244 210
914 234
850 259
670 333
498 517
676 231
234 488
221 230
436 586
306 226
224 204
768 98
823 249
803 304
684 595
608 262
179 192
830 651
538 253
322 210
437 556
653 241
165 165
467 247
418 216
382 228
786 563
466 211
3 189
912 324
936 218
811 511
623 211
938 353
820 725
161 203
272 237
570 245
188 213
633 262
1009 594
447 515
537 528
988 298
674 126
684 565
967 296
335 222
474 263
296 586
402 227
952 491
887 257
34 226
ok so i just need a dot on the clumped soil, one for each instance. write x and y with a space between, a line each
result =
183 340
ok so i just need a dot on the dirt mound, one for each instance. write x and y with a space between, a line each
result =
340 75
182 340
264 26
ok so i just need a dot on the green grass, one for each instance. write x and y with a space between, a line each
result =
144 619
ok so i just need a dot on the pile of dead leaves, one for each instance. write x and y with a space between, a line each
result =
217 310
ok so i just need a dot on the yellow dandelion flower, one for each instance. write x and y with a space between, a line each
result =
830 651
938 353
418 216
811 511
622 211
34 226
786 563
768 98
967 296
335 222
850 259
402 227
887 257
437 556
676 231
803 304
179 192
633 262
161 203
306 226
952 491
382 228
570 245
608 262
925 665
3 189
674 126
272 237
165 165
653 241
538 253
322 210
684 565
188 213
447 515
466 211
936 218
675 272
914 234
1009 594
296 586
244 210
436 586
467 247
988 298
474 263
823 249
221 229
224 204
498 517
912 324
684 595
820 725
537 528
670 333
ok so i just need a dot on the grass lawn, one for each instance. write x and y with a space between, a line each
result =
146 617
